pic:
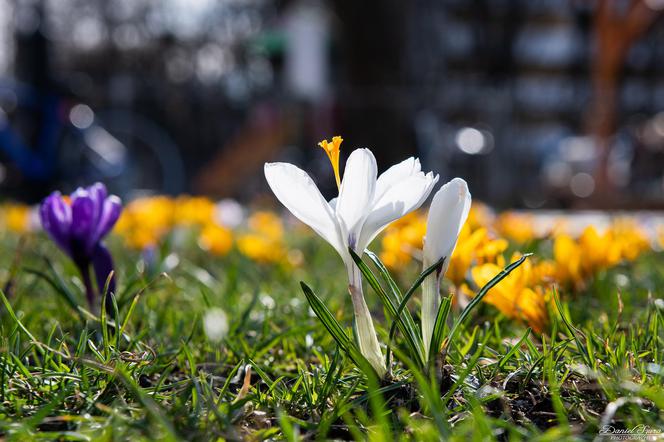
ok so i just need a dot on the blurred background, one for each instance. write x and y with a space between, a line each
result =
537 103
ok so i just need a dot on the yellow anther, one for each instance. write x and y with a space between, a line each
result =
332 151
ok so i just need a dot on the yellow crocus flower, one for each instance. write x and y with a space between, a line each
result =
268 224
514 296
518 227
263 242
402 240
567 254
145 221
193 211
480 215
473 247
260 248
216 239
16 217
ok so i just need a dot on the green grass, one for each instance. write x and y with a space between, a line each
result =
66 375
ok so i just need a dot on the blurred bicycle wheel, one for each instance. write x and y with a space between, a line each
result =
126 151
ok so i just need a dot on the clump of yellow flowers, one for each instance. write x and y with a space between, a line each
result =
579 259
145 223
484 245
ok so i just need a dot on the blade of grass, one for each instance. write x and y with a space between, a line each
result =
430 397
18 322
152 408
480 295
571 329
336 330
60 287
404 301
511 352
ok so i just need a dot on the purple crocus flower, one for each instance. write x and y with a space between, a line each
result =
78 226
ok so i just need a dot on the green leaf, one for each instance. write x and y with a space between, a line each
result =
572 330
439 328
404 301
288 430
420 279
431 401
104 329
511 353
480 295
391 283
337 332
331 379
57 283
401 312
18 322
407 328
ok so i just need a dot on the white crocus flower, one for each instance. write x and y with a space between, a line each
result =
365 206
447 215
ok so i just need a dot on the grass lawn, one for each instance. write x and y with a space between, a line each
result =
267 368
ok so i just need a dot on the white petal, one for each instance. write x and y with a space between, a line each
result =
400 199
296 190
433 179
396 173
447 214
356 193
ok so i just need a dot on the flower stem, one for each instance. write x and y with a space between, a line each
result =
366 334
90 292
430 306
